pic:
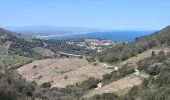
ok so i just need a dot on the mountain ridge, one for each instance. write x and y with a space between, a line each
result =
52 30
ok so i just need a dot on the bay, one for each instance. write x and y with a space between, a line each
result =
114 35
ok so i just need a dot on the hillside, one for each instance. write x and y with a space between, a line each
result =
77 79
124 51
151 63
117 86
4 32
14 44
62 72
18 44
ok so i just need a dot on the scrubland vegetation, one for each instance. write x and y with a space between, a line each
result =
154 87
124 51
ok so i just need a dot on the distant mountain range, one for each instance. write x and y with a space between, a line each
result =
51 30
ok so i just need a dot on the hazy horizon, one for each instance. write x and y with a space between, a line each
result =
52 27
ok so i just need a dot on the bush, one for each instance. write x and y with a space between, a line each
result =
46 85
153 70
145 83
107 76
34 67
123 71
124 56
163 79
105 96
160 57
134 91
90 83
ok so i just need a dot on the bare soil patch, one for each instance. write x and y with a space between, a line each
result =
61 72
122 84
146 54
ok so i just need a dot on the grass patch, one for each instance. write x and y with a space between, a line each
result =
123 92
8 61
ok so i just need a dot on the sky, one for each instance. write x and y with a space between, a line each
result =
98 14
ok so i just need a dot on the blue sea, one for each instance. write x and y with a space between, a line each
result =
115 35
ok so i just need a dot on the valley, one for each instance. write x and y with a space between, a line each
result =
84 69
85 50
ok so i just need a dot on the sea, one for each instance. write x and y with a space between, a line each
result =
113 35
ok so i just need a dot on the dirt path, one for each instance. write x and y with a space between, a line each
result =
109 66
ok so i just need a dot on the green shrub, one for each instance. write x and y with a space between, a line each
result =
46 85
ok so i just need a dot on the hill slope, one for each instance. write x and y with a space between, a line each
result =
154 87
124 51
4 32
155 63
19 45
12 44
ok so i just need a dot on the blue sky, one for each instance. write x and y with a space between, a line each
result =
100 14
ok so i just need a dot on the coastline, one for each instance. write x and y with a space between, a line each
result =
48 36
113 35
